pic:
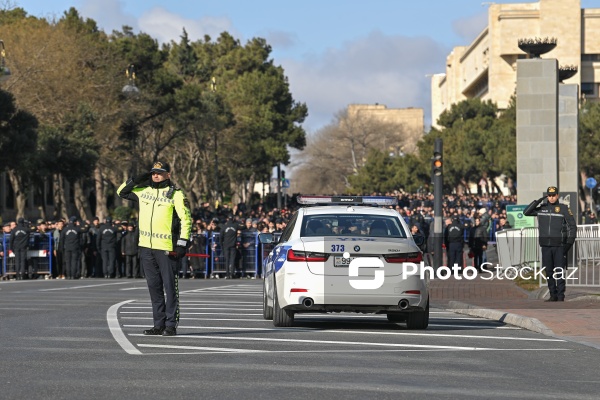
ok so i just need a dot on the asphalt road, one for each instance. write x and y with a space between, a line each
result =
82 340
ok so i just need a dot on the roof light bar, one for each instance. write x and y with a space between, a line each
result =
364 200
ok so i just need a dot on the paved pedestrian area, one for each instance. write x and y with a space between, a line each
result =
576 319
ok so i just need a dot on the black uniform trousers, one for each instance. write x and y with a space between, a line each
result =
21 262
455 254
553 262
71 263
162 278
230 254
132 269
108 261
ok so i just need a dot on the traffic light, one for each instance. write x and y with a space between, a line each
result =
437 163
282 176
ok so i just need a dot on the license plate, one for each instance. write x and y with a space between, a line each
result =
342 262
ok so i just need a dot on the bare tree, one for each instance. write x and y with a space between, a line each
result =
340 149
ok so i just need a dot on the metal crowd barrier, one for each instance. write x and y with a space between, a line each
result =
519 248
39 256
248 256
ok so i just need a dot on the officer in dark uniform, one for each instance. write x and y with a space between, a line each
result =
19 244
557 233
129 250
70 240
229 236
454 239
106 243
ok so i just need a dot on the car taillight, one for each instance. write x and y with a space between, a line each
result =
295 255
416 257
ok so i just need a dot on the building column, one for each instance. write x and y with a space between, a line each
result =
568 160
537 128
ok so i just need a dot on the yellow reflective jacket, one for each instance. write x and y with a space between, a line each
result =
165 220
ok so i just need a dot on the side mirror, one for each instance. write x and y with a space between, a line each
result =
266 238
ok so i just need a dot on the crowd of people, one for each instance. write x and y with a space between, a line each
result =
91 249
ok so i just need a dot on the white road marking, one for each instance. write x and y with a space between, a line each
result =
84 287
187 313
255 339
267 352
458 336
117 332
188 305
183 307
226 294
203 319
212 349
135 288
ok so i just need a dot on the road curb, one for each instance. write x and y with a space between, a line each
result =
531 324
585 298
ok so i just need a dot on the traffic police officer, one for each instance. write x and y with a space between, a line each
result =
165 225
557 233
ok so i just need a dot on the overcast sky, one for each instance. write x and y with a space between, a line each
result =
334 52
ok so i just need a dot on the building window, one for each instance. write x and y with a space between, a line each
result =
590 57
589 89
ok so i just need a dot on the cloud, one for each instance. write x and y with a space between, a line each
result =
469 28
281 40
108 14
166 26
379 68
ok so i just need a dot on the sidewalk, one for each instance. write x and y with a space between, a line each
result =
577 319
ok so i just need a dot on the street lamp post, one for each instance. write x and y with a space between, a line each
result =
4 71
213 89
131 90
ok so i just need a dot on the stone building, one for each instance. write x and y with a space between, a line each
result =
486 68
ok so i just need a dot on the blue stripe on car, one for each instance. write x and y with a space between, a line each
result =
280 256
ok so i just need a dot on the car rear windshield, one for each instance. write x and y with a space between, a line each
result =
352 225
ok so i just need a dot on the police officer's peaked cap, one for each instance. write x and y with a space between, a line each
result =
160 166
20 220
73 219
40 221
108 220
552 190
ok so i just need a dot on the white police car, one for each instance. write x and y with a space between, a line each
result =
342 254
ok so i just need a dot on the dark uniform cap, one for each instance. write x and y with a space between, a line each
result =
73 219
161 166
20 220
552 190
40 221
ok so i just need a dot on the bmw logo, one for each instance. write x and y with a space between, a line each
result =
357 248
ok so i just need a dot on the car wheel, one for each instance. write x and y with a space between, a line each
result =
267 309
396 317
281 317
418 319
